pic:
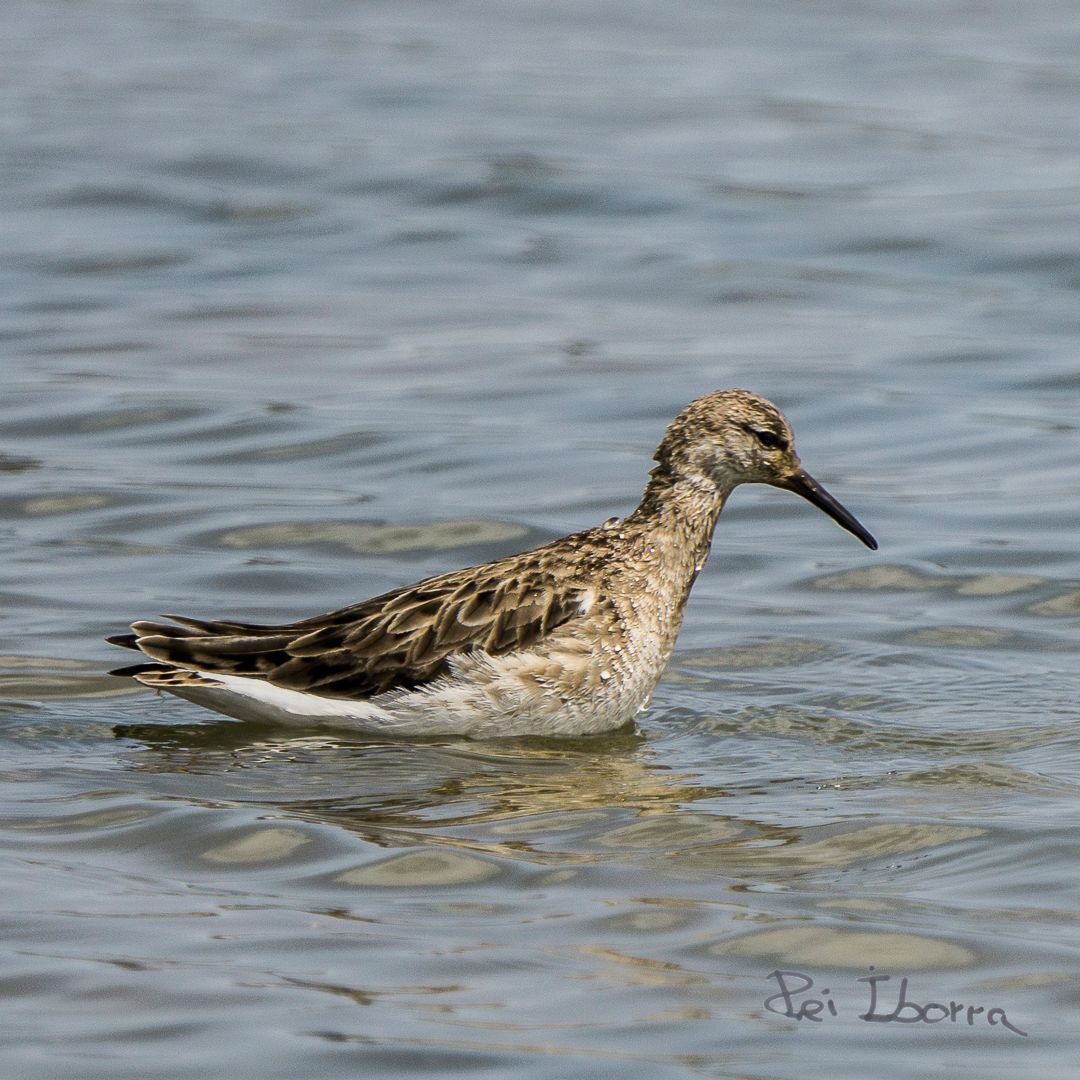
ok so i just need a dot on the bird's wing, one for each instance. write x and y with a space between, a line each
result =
398 640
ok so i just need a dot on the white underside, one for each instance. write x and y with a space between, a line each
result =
499 706
253 699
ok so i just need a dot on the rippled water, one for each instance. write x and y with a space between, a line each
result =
302 302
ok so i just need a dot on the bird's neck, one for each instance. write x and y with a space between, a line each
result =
685 508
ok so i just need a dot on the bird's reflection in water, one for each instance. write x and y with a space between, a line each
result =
378 787
553 801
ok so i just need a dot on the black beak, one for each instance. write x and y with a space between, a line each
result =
802 483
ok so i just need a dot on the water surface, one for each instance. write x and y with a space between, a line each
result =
303 302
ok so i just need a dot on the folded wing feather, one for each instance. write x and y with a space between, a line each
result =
399 640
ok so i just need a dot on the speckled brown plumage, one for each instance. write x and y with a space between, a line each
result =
565 639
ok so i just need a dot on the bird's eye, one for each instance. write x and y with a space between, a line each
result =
769 439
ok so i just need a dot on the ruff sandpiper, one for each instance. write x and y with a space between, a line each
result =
567 639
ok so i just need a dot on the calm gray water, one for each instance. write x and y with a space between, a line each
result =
302 301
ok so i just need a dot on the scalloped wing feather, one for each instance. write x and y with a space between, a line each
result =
399 640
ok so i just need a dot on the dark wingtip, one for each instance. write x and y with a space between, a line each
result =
134 669
125 641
